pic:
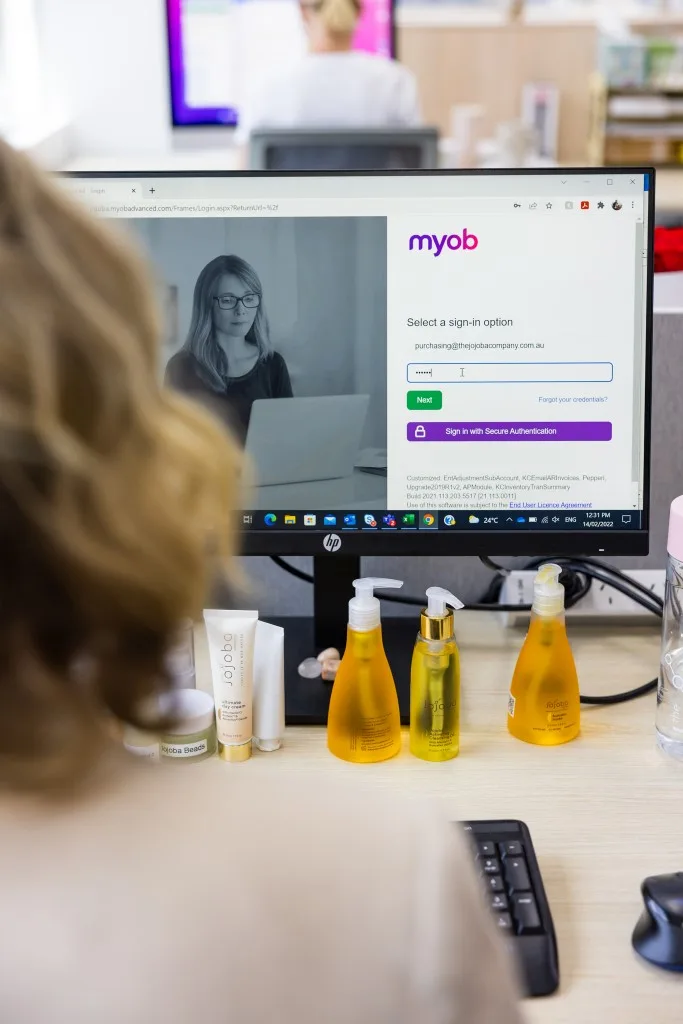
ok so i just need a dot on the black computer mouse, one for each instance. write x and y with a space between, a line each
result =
658 936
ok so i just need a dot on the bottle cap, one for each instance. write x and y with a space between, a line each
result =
436 620
235 753
268 745
548 591
674 544
364 611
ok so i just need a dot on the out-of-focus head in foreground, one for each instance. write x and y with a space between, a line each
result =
116 496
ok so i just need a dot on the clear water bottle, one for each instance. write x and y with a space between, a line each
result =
669 721
180 658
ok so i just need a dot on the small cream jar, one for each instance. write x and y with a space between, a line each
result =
193 737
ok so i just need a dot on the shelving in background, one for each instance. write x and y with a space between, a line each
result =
637 103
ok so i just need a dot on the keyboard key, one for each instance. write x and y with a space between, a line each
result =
512 849
487 849
491 866
499 902
504 922
526 914
516 874
495 883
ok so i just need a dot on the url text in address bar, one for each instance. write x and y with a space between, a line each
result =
106 209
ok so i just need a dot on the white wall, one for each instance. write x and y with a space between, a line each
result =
110 62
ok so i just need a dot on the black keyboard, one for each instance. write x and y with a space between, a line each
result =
507 864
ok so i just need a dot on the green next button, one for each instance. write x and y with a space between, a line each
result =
425 399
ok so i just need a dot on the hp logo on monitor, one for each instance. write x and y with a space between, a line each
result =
332 542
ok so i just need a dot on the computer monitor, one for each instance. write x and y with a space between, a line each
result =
416 363
222 52
368 149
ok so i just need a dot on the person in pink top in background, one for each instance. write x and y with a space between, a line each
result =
337 84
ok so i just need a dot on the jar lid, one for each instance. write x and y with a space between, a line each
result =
193 710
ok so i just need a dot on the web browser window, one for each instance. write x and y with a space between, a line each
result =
410 351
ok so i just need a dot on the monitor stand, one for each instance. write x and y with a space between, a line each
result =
307 700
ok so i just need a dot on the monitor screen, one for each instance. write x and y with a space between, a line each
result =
414 362
223 52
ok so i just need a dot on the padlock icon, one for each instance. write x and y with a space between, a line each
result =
420 433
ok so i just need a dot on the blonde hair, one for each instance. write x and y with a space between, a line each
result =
339 17
116 495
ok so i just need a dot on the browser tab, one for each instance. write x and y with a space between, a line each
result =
98 188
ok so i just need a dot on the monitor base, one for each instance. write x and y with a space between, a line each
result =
307 700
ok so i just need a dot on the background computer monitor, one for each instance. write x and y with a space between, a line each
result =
343 150
462 360
222 52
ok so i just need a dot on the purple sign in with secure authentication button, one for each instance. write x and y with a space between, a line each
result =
585 431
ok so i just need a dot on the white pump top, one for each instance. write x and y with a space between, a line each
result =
548 591
364 613
438 599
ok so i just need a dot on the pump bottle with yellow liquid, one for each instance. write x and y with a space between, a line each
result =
435 681
544 705
364 721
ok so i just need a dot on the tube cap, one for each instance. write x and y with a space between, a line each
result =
235 753
674 544
364 611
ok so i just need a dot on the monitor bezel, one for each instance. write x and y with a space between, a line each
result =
613 543
206 117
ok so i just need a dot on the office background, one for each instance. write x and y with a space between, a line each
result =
98 72
73 106
324 287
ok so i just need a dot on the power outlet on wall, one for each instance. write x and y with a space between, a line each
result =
600 603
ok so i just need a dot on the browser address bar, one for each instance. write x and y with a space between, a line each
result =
183 209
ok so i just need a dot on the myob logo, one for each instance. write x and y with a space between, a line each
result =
437 243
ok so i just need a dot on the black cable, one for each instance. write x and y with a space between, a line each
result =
603 567
587 560
500 570
621 698
299 573
414 602
577 577
617 584
575 586
611 577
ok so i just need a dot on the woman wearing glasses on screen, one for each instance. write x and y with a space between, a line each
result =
227 361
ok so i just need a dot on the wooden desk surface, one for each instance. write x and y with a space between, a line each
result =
604 811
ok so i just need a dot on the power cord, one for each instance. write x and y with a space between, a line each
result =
575 590
577 578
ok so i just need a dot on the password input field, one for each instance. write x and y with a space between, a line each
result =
510 373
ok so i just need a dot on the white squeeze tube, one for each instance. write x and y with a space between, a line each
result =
231 648
269 686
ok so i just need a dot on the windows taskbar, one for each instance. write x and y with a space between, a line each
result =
393 522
